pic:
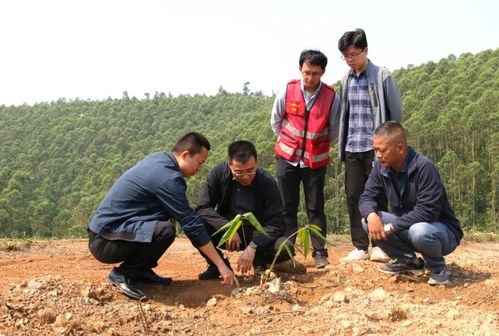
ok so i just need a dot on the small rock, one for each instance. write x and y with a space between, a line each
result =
22 322
247 310
252 291
340 296
357 268
452 314
235 291
296 307
35 284
489 282
68 316
426 300
260 310
89 292
46 316
406 323
345 324
397 315
379 294
211 302
275 286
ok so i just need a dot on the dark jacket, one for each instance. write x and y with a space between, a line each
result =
151 191
422 195
216 194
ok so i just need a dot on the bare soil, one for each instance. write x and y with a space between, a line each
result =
58 288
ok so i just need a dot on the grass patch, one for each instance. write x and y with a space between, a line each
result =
10 245
481 237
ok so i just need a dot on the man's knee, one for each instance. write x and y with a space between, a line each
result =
165 232
289 247
420 234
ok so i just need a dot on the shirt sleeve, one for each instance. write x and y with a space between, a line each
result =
273 218
278 111
393 101
172 196
334 118
428 199
210 197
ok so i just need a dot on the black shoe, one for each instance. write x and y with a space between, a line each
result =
416 267
212 271
320 258
150 277
125 285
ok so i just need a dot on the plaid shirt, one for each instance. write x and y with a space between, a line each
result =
360 122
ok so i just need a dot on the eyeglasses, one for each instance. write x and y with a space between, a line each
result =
352 55
311 74
241 173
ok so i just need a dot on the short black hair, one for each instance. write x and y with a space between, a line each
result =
392 130
192 142
357 38
314 57
241 151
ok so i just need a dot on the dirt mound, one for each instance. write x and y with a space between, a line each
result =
57 288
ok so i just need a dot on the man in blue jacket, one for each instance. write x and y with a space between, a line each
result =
423 220
132 224
369 97
236 187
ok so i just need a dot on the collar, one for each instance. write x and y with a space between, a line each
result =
172 157
315 92
411 154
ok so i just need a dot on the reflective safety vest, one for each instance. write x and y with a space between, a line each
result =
304 133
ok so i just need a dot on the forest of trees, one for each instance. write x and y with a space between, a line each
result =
58 159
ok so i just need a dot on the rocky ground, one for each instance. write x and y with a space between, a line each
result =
57 288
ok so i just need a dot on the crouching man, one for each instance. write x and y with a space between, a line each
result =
236 187
423 220
132 224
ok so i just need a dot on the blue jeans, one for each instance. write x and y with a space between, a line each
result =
432 240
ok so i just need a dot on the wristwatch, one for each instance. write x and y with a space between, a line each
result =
252 244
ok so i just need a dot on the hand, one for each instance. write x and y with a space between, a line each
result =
245 261
234 244
228 277
375 227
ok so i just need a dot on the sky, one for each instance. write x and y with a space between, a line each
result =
95 49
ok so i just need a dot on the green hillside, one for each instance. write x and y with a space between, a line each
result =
58 159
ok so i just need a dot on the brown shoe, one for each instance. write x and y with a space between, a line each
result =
288 267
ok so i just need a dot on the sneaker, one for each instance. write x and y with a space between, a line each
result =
439 278
125 285
212 271
377 254
288 266
320 258
356 255
416 267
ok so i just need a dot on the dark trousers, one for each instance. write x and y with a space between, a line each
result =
135 257
358 166
289 178
264 254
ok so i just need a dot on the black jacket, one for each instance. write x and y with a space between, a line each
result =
216 194
423 197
